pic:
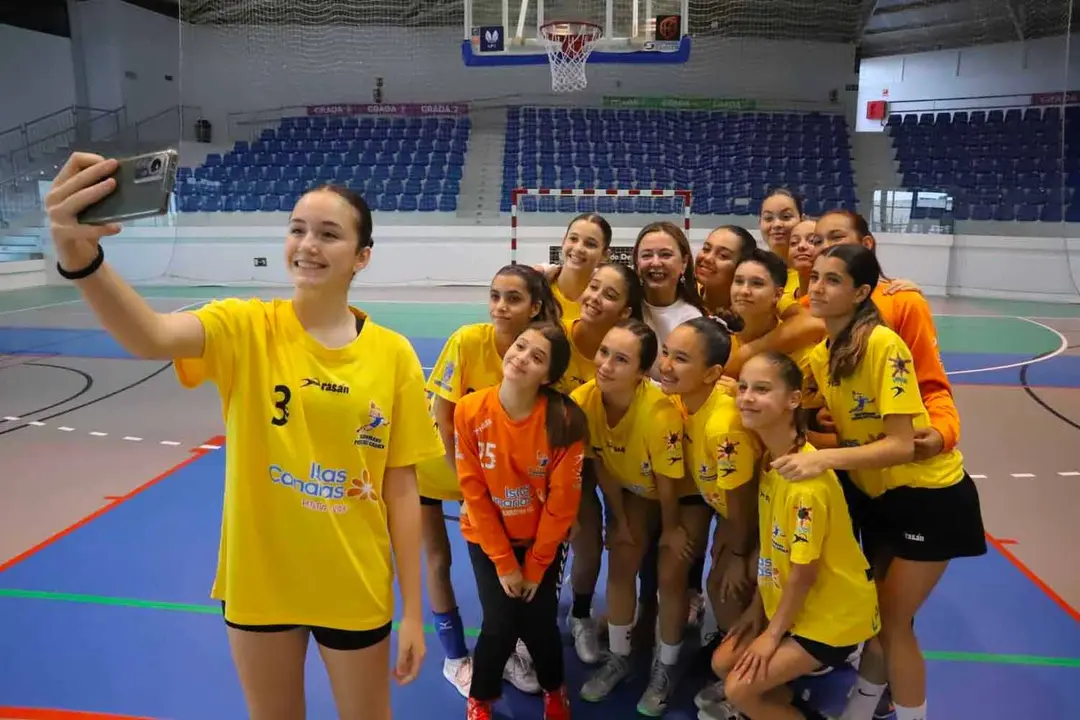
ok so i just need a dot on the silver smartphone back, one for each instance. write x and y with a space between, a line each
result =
143 186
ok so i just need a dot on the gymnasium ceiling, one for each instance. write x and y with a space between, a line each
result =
880 27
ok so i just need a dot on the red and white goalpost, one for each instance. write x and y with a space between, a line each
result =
517 193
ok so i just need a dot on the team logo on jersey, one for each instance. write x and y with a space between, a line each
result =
447 376
335 388
804 523
671 443
778 538
366 433
325 488
862 407
361 487
900 372
540 469
726 454
706 474
646 468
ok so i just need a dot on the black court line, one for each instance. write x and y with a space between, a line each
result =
1043 403
88 382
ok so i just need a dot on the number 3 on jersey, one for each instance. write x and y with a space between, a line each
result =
282 396
487 455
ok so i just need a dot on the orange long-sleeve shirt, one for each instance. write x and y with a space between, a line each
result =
909 316
518 490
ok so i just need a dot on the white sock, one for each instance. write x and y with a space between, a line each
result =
910 713
864 700
619 639
669 654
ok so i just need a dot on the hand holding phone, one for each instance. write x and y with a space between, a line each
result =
143 184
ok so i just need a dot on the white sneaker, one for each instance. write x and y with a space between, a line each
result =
586 634
519 671
711 694
459 673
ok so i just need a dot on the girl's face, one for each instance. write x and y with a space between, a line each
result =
527 360
509 304
618 361
605 299
778 217
805 245
659 261
836 229
683 368
762 398
715 263
583 246
753 292
321 245
832 290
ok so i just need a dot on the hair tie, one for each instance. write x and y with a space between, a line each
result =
721 322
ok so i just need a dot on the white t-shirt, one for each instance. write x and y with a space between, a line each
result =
664 319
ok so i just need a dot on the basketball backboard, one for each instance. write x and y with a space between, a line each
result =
508 32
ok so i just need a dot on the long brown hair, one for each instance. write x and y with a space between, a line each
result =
859 224
595 219
565 423
792 378
847 349
539 290
687 289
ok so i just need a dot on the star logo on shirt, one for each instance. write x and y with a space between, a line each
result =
361 487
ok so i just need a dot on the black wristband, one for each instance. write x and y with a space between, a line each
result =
86 271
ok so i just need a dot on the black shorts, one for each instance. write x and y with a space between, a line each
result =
327 637
694 501
926 524
827 655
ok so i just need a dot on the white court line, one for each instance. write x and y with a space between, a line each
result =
1022 475
978 477
1023 363
39 307
1070 473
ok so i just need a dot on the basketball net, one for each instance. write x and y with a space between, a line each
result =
569 44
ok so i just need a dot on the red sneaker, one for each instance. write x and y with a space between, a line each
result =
556 705
477 710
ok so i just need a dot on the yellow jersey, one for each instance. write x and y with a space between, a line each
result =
801 356
883 384
468 362
581 369
644 444
571 309
790 288
311 431
721 455
807 521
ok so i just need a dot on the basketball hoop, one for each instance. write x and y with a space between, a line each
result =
569 43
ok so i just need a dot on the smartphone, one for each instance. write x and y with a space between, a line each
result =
143 186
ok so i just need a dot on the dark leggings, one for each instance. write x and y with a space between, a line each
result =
507 619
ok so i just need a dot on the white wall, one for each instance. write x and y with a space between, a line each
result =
22 274
971 266
35 75
255 68
1017 69
119 38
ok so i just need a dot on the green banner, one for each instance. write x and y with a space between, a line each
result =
678 103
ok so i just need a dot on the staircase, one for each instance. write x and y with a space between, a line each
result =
481 182
874 166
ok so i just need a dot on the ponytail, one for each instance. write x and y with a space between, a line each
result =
539 289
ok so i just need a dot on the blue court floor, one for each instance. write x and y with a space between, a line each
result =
113 615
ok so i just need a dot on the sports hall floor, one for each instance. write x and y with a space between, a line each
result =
111 489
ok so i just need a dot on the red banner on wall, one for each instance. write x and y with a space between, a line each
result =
1056 98
390 109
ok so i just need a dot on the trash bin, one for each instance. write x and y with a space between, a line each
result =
203 130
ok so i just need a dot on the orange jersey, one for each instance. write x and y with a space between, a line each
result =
518 490
908 315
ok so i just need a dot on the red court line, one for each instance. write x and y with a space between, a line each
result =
1004 541
14 713
1027 572
196 453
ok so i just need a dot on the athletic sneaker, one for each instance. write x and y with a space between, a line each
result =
519 671
721 711
885 709
711 694
586 634
606 678
459 673
556 705
654 700
477 710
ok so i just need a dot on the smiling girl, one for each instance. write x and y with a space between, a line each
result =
815 603
918 514
584 247
722 460
635 441
320 505
612 295
472 360
714 265
519 454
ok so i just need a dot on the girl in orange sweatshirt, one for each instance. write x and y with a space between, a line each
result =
519 450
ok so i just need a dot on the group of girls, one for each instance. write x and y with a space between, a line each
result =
685 391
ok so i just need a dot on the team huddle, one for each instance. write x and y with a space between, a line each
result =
778 416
